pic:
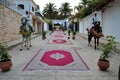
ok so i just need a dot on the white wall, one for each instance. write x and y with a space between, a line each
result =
45 26
111 21
28 4
85 23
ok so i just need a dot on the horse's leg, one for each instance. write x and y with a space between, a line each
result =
22 44
95 42
27 43
89 39
98 43
30 41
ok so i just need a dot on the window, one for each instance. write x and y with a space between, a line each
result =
20 6
33 9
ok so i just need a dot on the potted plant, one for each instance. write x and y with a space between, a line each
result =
44 35
74 33
107 51
5 58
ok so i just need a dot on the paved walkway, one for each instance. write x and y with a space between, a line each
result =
89 55
102 40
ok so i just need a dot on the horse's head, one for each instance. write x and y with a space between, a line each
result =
97 26
97 23
24 20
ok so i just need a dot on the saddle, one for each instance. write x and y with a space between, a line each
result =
96 34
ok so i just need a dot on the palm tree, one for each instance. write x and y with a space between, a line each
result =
84 8
65 10
78 8
50 11
91 4
84 3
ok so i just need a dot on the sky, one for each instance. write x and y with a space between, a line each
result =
57 3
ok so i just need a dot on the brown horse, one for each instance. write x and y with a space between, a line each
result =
95 32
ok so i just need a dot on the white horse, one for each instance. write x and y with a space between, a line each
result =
26 32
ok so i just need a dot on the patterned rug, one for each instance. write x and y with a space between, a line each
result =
59 38
57 59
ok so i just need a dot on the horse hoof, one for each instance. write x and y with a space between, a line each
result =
27 48
95 48
20 49
30 45
89 44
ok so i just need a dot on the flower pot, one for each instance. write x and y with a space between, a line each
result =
5 66
73 37
43 37
103 65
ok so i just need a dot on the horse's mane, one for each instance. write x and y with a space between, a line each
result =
97 27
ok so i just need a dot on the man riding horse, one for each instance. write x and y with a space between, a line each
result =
26 29
27 19
95 30
93 20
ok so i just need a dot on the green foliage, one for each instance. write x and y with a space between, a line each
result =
86 7
74 33
4 56
108 48
69 31
50 11
44 33
48 21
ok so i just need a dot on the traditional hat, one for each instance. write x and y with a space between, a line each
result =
95 12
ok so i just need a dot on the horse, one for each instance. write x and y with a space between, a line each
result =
96 32
26 32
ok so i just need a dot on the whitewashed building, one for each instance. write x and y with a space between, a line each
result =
21 6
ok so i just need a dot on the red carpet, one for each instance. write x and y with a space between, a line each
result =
59 38
59 41
57 59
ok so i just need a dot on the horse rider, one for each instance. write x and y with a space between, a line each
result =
93 20
29 20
